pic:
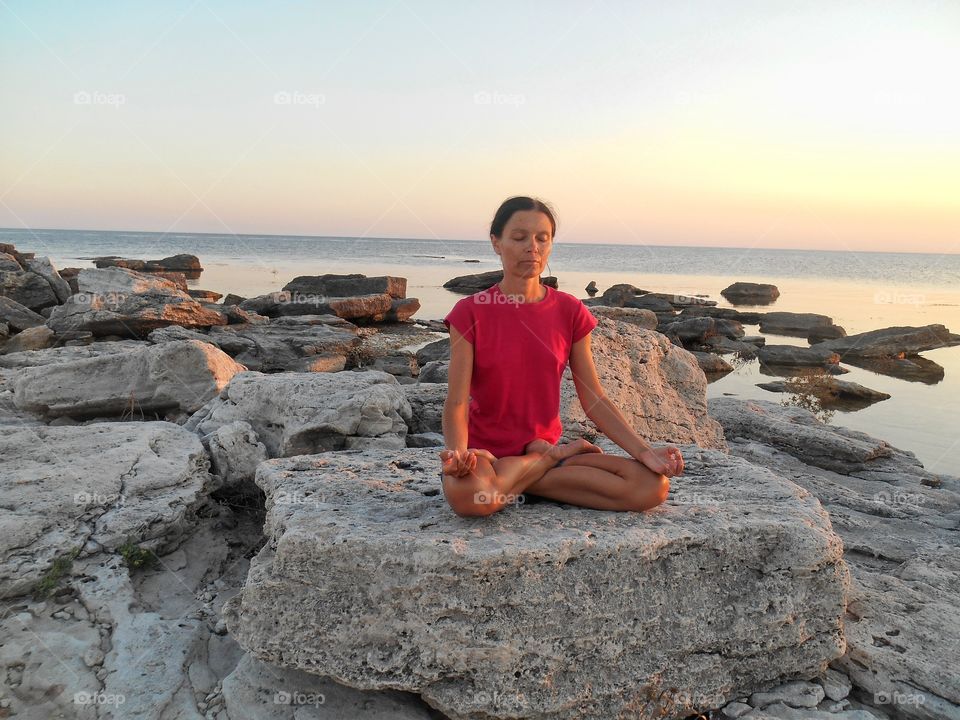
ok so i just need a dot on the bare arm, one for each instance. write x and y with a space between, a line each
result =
608 418
457 405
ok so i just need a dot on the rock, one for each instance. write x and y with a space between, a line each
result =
898 523
790 323
235 451
35 338
363 308
105 482
400 311
131 315
434 372
204 295
469 284
748 293
297 413
232 299
8 263
437 350
659 387
826 332
423 440
836 685
407 595
696 331
17 316
712 364
306 343
828 390
780 711
892 342
4 332
914 369
36 358
189 265
330 285
746 318
177 375
28 289
616 295
795 355
735 710
117 281
44 268
426 405
640 317
20 257
591 289
798 693
680 301
177 278
258 691
651 302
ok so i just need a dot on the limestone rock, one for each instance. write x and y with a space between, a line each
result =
235 452
898 523
45 269
94 485
256 690
298 413
35 338
658 386
331 285
798 693
369 578
746 293
178 375
635 316
891 341
17 316
53 356
27 289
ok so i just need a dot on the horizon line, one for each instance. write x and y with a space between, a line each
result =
372 237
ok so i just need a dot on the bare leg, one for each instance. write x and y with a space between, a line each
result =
604 482
493 486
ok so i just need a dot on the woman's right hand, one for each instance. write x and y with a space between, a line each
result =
460 463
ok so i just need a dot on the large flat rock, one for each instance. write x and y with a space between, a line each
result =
181 375
542 610
93 487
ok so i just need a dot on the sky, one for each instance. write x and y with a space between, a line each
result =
822 125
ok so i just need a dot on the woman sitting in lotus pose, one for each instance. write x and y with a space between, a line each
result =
509 346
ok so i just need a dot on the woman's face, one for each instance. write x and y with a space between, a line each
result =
526 243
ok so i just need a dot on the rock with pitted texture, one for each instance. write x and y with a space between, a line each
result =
93 487
898 521
369 578
298 413
891 342
659 387
179 376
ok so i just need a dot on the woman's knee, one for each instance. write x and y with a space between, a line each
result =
468 496
651 491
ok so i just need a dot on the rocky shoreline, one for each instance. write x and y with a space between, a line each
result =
227 508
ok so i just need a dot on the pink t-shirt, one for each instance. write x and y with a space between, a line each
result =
520 351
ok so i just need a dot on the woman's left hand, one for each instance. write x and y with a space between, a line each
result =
663 461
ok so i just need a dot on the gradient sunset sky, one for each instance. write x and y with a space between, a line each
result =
832 125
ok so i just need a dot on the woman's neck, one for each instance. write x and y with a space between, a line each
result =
530 289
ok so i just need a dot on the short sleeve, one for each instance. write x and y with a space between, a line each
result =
461 317
583 322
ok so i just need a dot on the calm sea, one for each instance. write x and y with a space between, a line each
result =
859 290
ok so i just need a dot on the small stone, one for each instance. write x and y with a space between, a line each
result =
93 657
798 693
836 685
735 709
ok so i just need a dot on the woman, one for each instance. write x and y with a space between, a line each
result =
509 346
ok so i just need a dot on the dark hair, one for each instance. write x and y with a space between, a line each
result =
520 202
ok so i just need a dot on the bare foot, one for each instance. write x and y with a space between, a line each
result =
538 446
556 453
